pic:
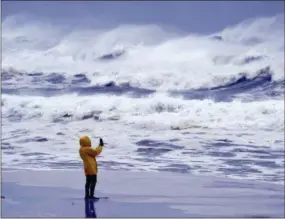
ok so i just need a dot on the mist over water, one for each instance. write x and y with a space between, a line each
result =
163 100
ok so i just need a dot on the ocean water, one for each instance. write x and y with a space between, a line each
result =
161 100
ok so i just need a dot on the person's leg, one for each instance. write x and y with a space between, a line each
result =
88 185
93 184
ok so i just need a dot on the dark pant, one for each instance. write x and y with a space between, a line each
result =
90 184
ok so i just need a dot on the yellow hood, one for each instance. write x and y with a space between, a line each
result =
85 141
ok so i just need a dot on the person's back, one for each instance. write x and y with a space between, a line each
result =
88 155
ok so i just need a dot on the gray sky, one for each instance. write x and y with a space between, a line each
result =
190 16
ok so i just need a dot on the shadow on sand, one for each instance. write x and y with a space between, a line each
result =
90 211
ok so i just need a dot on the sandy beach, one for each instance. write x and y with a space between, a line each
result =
137 194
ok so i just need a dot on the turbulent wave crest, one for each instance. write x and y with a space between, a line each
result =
145 56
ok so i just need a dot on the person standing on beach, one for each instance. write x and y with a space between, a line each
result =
88 155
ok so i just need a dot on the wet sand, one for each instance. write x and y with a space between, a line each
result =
60 193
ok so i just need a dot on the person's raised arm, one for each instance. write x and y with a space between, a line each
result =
96 151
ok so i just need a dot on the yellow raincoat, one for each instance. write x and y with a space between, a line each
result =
88 155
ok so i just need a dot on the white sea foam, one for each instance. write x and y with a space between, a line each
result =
155 111
154 58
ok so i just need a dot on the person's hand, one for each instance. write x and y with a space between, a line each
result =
101 142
